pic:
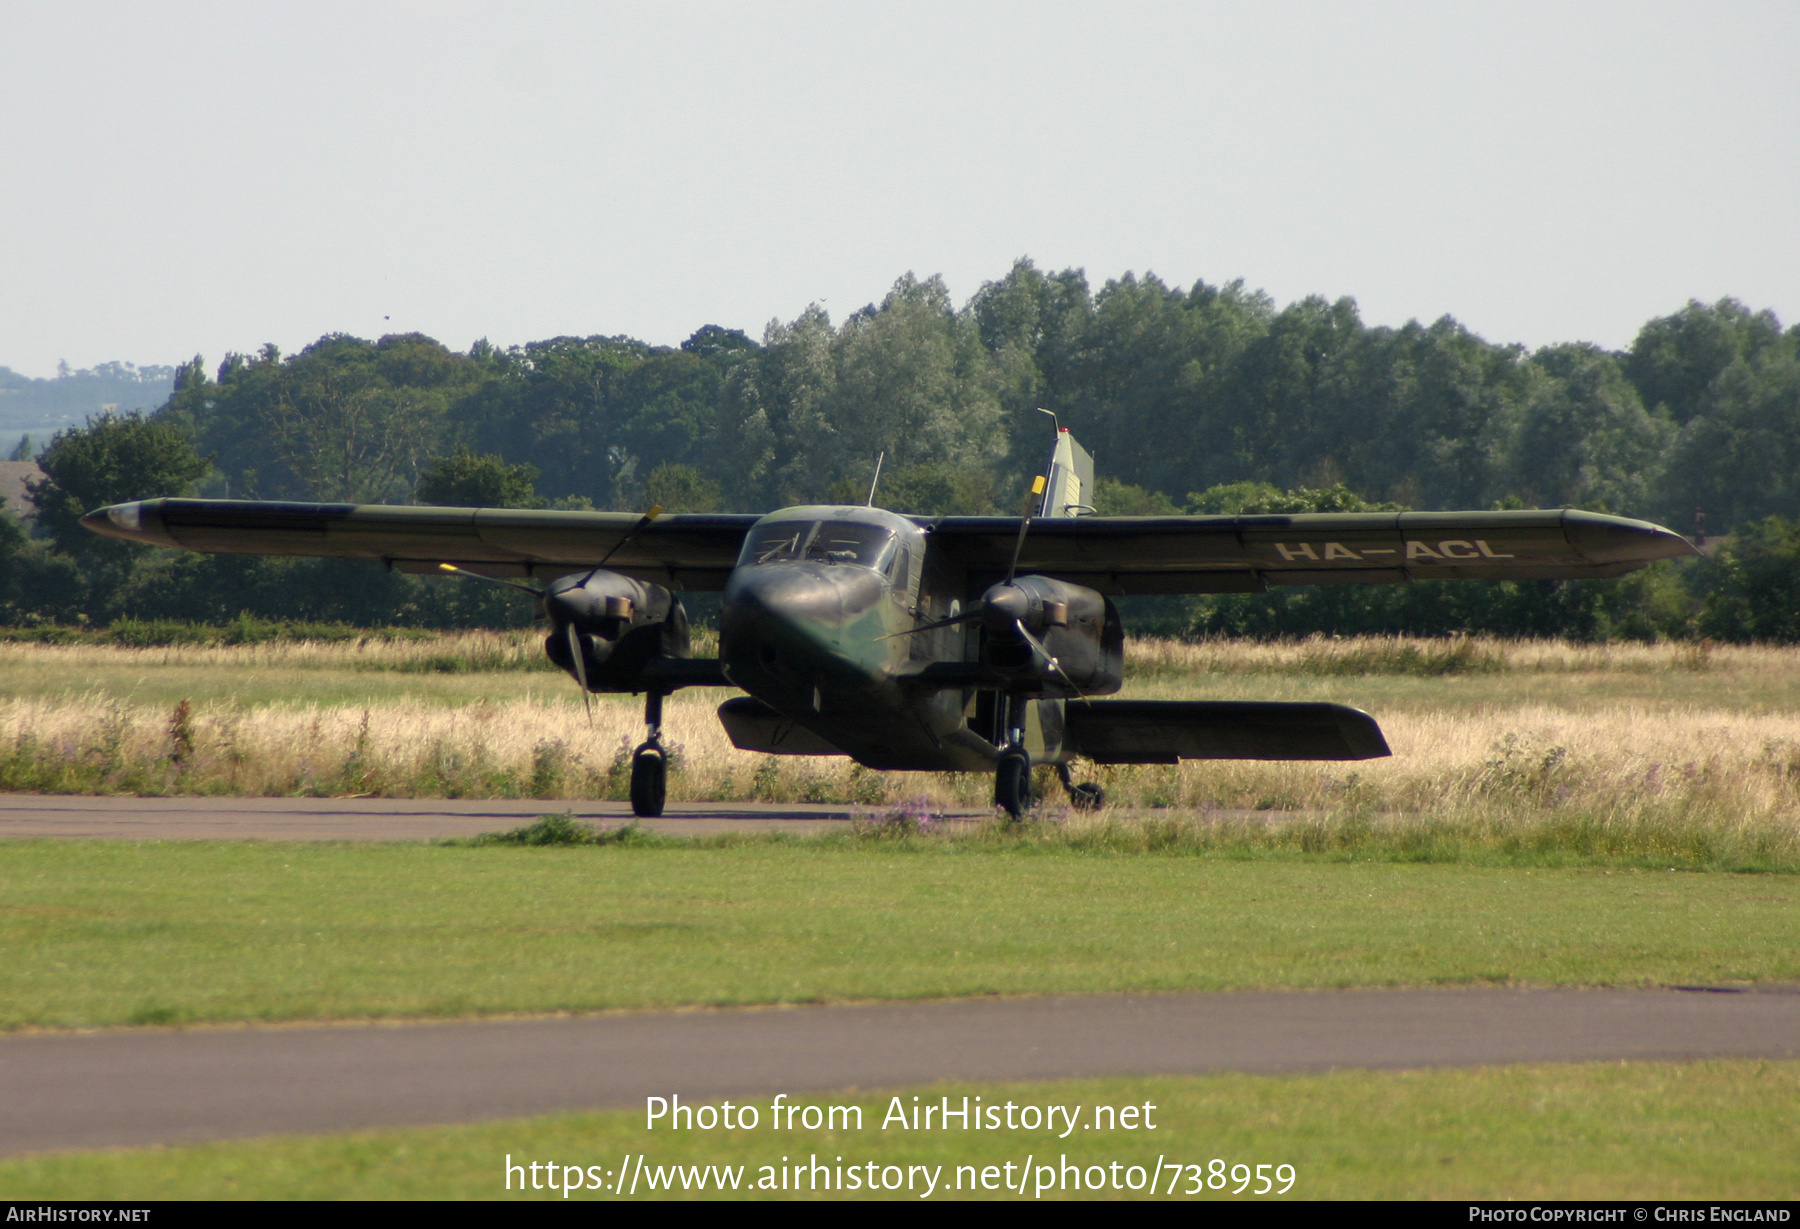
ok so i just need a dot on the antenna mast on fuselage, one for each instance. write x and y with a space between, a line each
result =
876 480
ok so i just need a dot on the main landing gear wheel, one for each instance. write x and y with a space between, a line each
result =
1086 796
649 780
1012 784
650 764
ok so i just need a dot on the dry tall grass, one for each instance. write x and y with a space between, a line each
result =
1700 762
524 650
449 652
1319 655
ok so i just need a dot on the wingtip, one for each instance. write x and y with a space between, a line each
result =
1656 542
138 521
1616 539
1681 546
116 521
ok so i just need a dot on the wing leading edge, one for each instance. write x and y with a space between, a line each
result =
1117 555
688 550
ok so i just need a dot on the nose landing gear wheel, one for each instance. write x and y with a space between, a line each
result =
1086 796
649 781
1012 784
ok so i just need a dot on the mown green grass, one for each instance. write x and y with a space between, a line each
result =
107 933
1709 1130
1665 837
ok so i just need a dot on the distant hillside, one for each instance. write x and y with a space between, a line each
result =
42 406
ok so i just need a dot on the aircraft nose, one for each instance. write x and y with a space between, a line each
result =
778 600
784 623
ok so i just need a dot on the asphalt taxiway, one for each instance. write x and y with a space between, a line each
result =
145 1086
80 816
150 1086
118 817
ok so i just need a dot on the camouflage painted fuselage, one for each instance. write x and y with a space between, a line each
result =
822 643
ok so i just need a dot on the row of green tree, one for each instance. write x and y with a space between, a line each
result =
1206 399
1747 588
1174 390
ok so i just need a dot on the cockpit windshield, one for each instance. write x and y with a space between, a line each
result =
850 542
818 541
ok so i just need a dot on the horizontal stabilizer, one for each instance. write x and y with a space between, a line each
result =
1165 731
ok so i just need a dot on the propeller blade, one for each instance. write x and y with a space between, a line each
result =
967 616
579 661
654 511
1043 652
492 580
1025 514
1001 605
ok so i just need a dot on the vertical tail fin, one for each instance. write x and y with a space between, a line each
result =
1070 490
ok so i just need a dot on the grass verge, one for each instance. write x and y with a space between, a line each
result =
1707 1130
1625 838
109 933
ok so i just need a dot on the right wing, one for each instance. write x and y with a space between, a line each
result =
687 550
1246 554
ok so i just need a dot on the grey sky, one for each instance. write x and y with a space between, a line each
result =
194 177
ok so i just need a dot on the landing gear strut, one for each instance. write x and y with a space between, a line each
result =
1086 796
1012 775
650 764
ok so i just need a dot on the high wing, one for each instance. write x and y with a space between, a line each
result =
1246 554
686 550
1116 555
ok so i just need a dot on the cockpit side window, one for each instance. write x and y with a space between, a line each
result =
900 575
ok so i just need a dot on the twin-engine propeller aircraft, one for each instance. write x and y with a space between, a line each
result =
944 644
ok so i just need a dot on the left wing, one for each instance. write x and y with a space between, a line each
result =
687 550
1246 554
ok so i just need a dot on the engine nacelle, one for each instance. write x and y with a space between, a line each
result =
620 624
1077 627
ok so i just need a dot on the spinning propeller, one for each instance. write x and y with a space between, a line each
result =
552 604
1004 607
